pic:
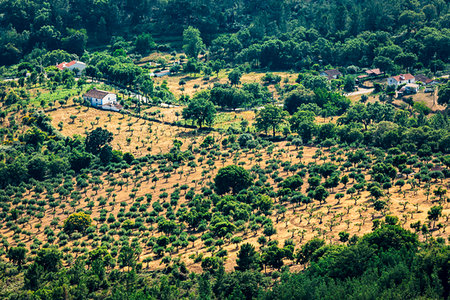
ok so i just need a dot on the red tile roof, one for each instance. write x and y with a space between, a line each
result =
403 77
423 78
332 73
374 72
97 94
63 65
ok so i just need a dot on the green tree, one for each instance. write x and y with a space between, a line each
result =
270 117
200 110
75 42
434 214
273 256
247 258
302 122
217 65
305 253
296 98
77 222
192 42
232 178
49 259
343 236
128 256
37 167
321 193
144 43
222 228
17 255
106 154
349 84
391 237
235 77
444 94
96 139
32 276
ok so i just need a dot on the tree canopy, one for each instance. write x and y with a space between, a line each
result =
232 178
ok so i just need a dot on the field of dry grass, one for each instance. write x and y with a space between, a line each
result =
124 194
353 214
197 83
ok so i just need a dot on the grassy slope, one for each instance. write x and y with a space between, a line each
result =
315 220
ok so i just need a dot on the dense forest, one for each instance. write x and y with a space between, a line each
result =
244 172
275 34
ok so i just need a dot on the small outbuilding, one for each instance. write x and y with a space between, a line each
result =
74 65
160 73
331 74
424 79
374 72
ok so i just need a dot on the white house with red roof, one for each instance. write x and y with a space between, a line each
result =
401 79
103 100
73 65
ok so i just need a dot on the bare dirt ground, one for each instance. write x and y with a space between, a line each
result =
137 136
299 222
197 83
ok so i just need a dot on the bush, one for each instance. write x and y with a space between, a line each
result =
77 222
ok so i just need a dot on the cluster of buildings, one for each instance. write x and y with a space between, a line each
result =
335 74
408 82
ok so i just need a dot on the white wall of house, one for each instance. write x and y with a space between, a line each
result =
392 81
108 99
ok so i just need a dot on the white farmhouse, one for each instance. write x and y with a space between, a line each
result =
160 73
73 65
103 100
401 79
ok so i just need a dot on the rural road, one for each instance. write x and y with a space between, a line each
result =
360 91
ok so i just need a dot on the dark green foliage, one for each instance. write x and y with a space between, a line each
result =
235 77
192 42
96 139
232 178
248 258
17 255
270 118
144 43
49 259
201 111
391 237
296 98
444 94
305 254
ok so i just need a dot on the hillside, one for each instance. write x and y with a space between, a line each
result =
224 149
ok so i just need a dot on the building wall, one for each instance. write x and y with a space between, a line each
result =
392 81
108 99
